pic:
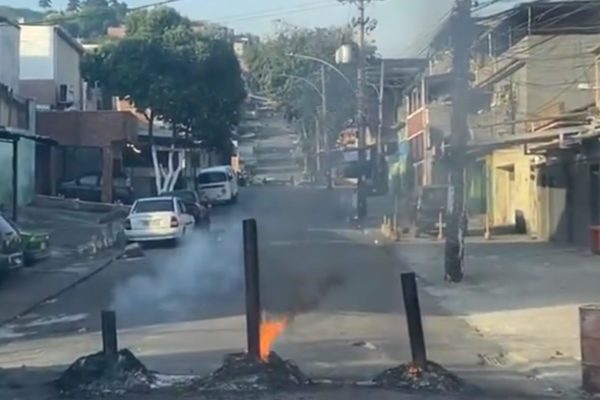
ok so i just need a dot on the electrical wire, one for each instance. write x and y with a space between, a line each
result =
277 12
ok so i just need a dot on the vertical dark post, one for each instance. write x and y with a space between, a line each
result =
109 336
15 178
251 273
413 319
461 33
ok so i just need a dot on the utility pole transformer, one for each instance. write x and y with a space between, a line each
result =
461 33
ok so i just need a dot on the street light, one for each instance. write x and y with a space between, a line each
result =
344 55
327 64
320 126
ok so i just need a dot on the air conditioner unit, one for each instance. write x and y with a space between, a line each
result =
66 94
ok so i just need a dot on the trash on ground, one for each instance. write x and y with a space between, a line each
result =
94 375
132 250
433 378
366 345
245 373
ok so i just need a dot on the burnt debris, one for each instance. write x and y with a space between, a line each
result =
96 375
431 378
246 373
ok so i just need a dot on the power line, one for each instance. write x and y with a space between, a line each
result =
276 12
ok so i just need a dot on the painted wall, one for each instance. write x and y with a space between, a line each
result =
9 56
511 187
26 168
37 52
67 69
556 67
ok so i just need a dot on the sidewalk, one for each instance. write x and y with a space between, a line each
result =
80 247
70 231
523 295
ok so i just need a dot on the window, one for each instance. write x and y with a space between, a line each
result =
181 206
211 177
89 180
149 206
187 196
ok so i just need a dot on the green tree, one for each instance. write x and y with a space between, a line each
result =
45 4
73 5
93 17
172 74
271 65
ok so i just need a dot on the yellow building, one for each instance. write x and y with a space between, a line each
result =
513 198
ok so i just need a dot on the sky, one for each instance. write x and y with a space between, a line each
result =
404 26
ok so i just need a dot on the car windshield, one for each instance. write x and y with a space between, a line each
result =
211 177
149 206
187 197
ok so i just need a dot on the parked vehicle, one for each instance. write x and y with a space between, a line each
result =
158 219
218 184
11 247
36 246
194 206
89 188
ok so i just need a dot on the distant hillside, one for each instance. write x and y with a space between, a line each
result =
16 13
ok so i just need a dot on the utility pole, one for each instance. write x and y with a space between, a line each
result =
324 125
318 134
363 23
379 161
361 195
461 42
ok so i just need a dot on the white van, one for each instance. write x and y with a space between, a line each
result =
218 184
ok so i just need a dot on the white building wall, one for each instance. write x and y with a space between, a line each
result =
37 52
67 69
9 56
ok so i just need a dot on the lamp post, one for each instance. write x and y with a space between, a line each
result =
324 64
343 56
321 130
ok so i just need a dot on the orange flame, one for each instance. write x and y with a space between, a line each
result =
269 331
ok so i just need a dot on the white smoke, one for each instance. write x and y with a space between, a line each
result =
180 281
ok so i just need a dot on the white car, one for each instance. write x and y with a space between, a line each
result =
218 184
156 219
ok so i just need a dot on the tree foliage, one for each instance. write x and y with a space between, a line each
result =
169 72
45 4
272 64
73 5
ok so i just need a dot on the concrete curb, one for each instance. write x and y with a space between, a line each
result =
108 238
103 265
75 204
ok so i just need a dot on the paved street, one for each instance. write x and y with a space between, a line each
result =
181 309
519 294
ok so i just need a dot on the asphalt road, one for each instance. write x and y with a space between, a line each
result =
181 309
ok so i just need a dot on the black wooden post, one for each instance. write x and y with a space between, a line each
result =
413 319
251 270
15 178
109 337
